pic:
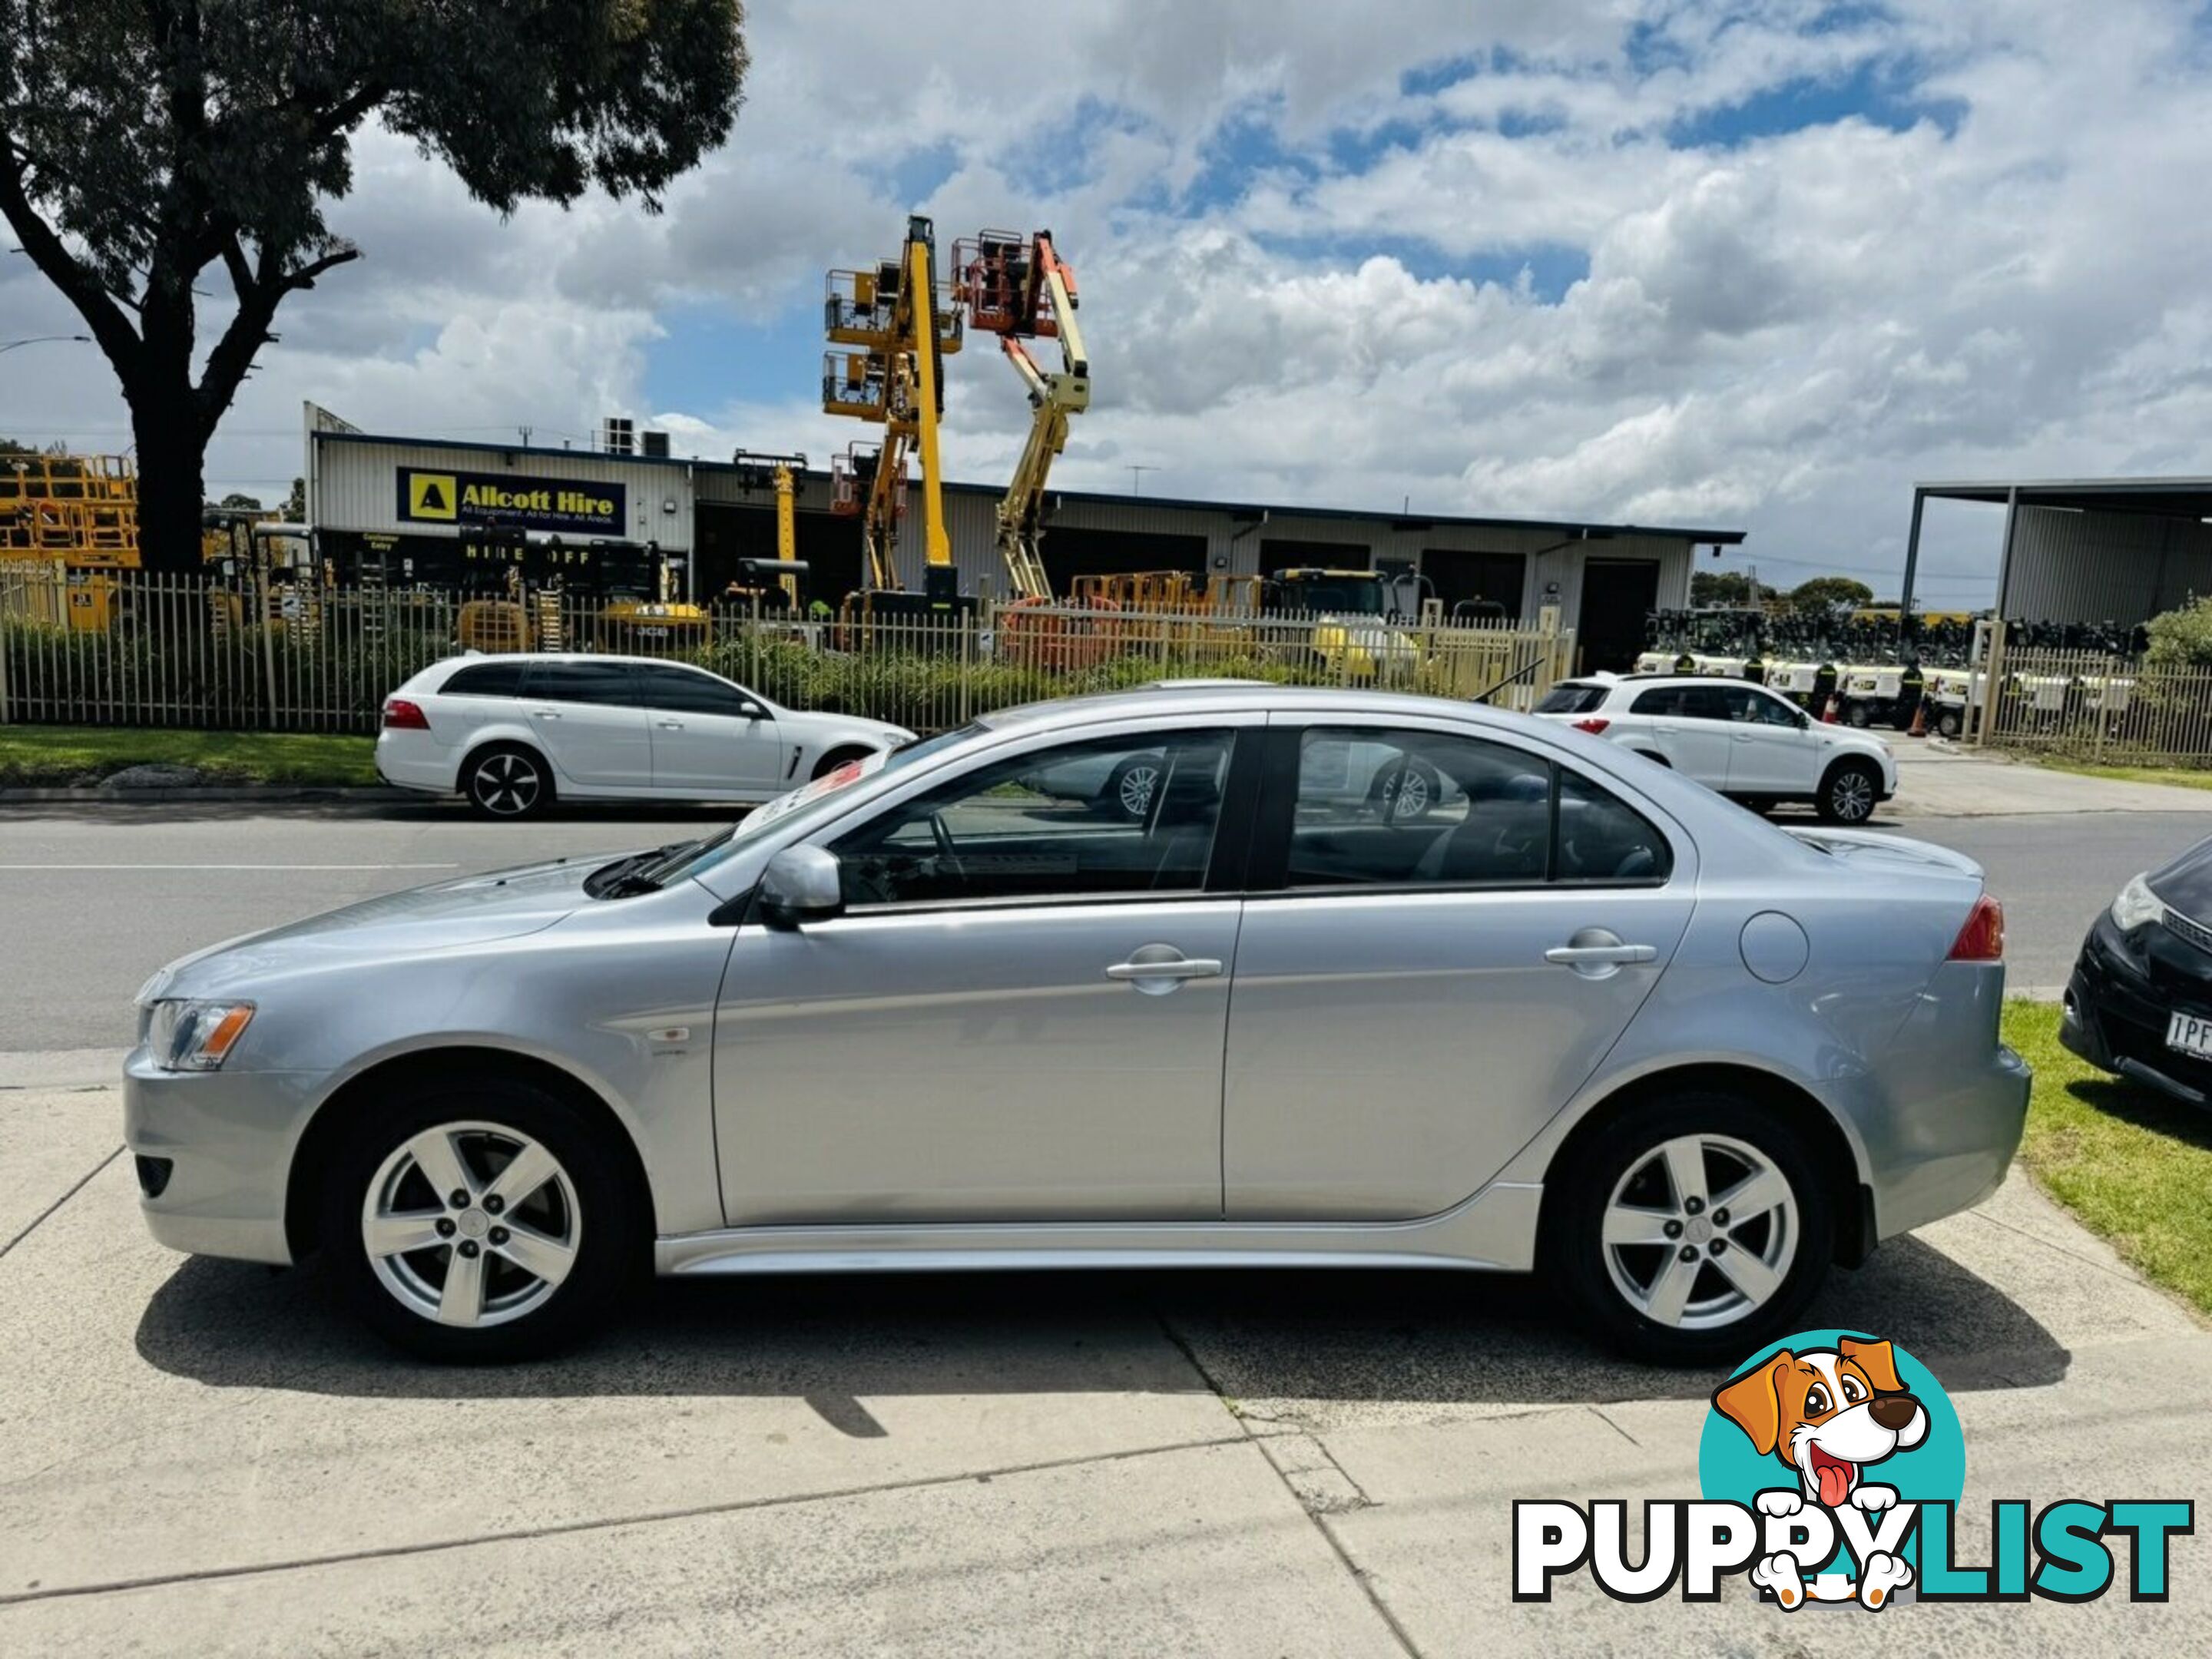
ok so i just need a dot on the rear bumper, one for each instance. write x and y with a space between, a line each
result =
227 1139
421 765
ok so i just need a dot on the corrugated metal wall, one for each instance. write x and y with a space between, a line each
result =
352 486
2121 567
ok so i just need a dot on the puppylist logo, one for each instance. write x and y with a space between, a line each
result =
1832 1468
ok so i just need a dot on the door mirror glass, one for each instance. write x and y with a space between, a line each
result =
801 885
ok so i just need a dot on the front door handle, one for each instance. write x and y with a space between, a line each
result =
1158 970
546 714
672 726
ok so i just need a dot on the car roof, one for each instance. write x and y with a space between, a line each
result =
1202 697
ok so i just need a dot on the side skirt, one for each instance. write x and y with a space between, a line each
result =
1493 1232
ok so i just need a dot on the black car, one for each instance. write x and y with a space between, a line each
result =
2140 1002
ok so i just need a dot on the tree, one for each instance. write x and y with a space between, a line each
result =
1720 587
1828 593
295 504
248 503
2182 638
143 145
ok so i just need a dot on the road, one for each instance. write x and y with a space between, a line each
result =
93 899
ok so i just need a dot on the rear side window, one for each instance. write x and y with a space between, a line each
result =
1659 700
502 678
1572 699
1386 807
606 683
1602 838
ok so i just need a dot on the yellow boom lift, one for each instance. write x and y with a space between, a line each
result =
1021 290
780 473
904 328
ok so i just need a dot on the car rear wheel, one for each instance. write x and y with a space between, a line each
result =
1849 793
484 1223
1691 1229
1407 794
507 782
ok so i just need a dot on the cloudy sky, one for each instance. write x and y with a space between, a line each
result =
1756 264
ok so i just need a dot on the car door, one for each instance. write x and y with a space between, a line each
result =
1019 1014
1415 1000
711 738
587 715
1769 752
1688 728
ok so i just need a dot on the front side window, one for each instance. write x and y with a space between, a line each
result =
685 691
604 682
1393 807
1125 815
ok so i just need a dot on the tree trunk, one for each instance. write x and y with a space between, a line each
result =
171 456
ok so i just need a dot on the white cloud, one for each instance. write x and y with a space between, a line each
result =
1298 238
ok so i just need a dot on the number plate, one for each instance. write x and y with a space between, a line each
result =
2190 1034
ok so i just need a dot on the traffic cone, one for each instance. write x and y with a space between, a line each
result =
1828 710
1919 720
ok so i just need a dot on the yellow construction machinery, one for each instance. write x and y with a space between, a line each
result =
79 512
904 326
1021 290
779 473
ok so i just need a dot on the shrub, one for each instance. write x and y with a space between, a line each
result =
2182 638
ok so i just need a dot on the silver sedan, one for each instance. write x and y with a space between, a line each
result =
1581 1018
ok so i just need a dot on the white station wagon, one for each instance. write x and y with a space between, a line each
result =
514 733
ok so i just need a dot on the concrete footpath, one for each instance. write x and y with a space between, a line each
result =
202 1457
1940 779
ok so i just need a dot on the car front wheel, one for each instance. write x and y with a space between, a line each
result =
1692 1228
478 1223
1849 793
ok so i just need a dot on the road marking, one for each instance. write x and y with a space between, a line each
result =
230 867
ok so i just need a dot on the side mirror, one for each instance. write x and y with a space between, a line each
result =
801 885
751 711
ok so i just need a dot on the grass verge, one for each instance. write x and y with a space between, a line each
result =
58 757
2133 1165
2181 776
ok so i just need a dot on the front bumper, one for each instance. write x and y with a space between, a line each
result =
227 1139
2115 1018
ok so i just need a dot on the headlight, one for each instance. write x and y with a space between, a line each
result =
195 1036
2137 907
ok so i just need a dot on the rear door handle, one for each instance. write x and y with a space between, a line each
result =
672 726
546 714
1585 956
1187 967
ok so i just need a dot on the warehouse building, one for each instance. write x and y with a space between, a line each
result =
2093 551
404 499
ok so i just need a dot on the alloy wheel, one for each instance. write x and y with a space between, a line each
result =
1850 796
1408 797
1135 789
506 784
471 1225
1700 1232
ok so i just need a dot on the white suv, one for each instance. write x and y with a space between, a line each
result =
513 732
1735 736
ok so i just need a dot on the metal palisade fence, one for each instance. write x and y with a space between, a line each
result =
2080 705
139 648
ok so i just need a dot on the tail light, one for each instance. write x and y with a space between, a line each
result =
1594 725
401 715
1981 939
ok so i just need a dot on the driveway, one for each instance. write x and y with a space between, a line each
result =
1939 780
200 1456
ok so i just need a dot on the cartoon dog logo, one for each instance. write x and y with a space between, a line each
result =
1827 1413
